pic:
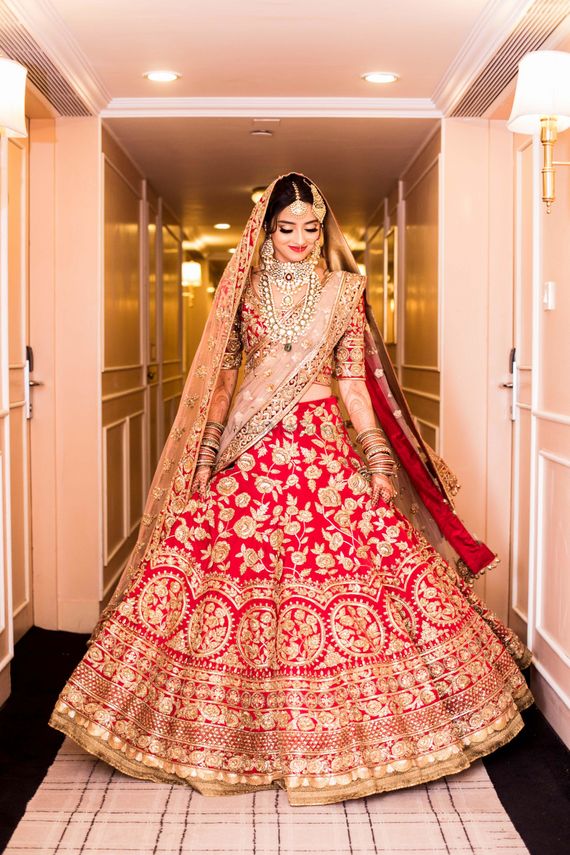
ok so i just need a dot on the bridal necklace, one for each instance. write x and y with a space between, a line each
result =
287 277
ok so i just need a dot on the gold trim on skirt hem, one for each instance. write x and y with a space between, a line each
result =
305 790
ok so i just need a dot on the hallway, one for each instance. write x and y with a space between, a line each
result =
122 202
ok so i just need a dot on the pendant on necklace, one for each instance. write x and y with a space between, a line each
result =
287 300
287 345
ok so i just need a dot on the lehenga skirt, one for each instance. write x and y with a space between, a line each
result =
290 635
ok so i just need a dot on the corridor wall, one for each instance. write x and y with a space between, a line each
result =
105 297
453 327
540 593
478 212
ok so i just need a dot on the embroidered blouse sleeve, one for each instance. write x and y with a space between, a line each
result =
349 351
233 351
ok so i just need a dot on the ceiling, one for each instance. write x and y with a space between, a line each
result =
207 167
297 61
269 47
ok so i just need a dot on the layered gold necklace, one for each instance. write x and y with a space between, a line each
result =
288 277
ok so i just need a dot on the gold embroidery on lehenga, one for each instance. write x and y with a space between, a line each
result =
162 604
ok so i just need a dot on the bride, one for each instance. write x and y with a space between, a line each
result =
298 611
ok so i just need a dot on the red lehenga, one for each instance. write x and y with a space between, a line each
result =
281 632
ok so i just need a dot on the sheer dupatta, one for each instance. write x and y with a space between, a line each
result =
280 379
172 482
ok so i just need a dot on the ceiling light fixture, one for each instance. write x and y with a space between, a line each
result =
261 133
380 77
222 226
256 194
231 251
162 76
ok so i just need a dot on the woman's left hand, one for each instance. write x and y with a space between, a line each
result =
382 488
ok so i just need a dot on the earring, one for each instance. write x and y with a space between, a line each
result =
266 251
315 253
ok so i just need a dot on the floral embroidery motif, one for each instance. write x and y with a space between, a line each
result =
300 636
357 629
161 605
210 626
256 636
282 605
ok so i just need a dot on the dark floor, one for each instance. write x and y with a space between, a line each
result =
531 774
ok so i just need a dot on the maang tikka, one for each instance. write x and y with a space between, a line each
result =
298 208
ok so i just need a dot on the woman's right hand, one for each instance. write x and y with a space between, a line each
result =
201 478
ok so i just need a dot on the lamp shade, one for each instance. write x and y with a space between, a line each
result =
191 274
13 98
543 89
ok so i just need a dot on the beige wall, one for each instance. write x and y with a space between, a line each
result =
545 257
141 371
476 332
419 301
455 317
96 255
65 156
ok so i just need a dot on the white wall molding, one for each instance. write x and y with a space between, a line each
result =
356 108
49 30
78 615
551 700
491 28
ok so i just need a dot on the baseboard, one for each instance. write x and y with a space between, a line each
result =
78 615
551 705
5 684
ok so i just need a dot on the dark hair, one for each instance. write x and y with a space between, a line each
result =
283 195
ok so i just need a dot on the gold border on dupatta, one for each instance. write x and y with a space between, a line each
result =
291 390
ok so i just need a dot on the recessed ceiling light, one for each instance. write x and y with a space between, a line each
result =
261 133
163 76
222 226
380 77
231 251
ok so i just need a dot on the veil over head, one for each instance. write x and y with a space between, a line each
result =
425 484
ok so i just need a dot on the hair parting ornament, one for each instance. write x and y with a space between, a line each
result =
298 208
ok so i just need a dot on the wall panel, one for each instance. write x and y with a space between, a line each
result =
21 561
136 468
122 318
171 291
115 487
421 272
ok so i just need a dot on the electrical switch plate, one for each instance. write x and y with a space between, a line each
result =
549 296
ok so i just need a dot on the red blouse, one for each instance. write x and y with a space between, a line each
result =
249 334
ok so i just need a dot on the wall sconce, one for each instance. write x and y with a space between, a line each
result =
12 98
542 106
191 274
191 278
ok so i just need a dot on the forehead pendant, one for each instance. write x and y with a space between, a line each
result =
298 208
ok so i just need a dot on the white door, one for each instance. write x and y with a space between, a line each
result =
16 606
540 595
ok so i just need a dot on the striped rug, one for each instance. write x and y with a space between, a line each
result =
83 807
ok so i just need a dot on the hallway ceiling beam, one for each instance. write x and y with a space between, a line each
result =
360 108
